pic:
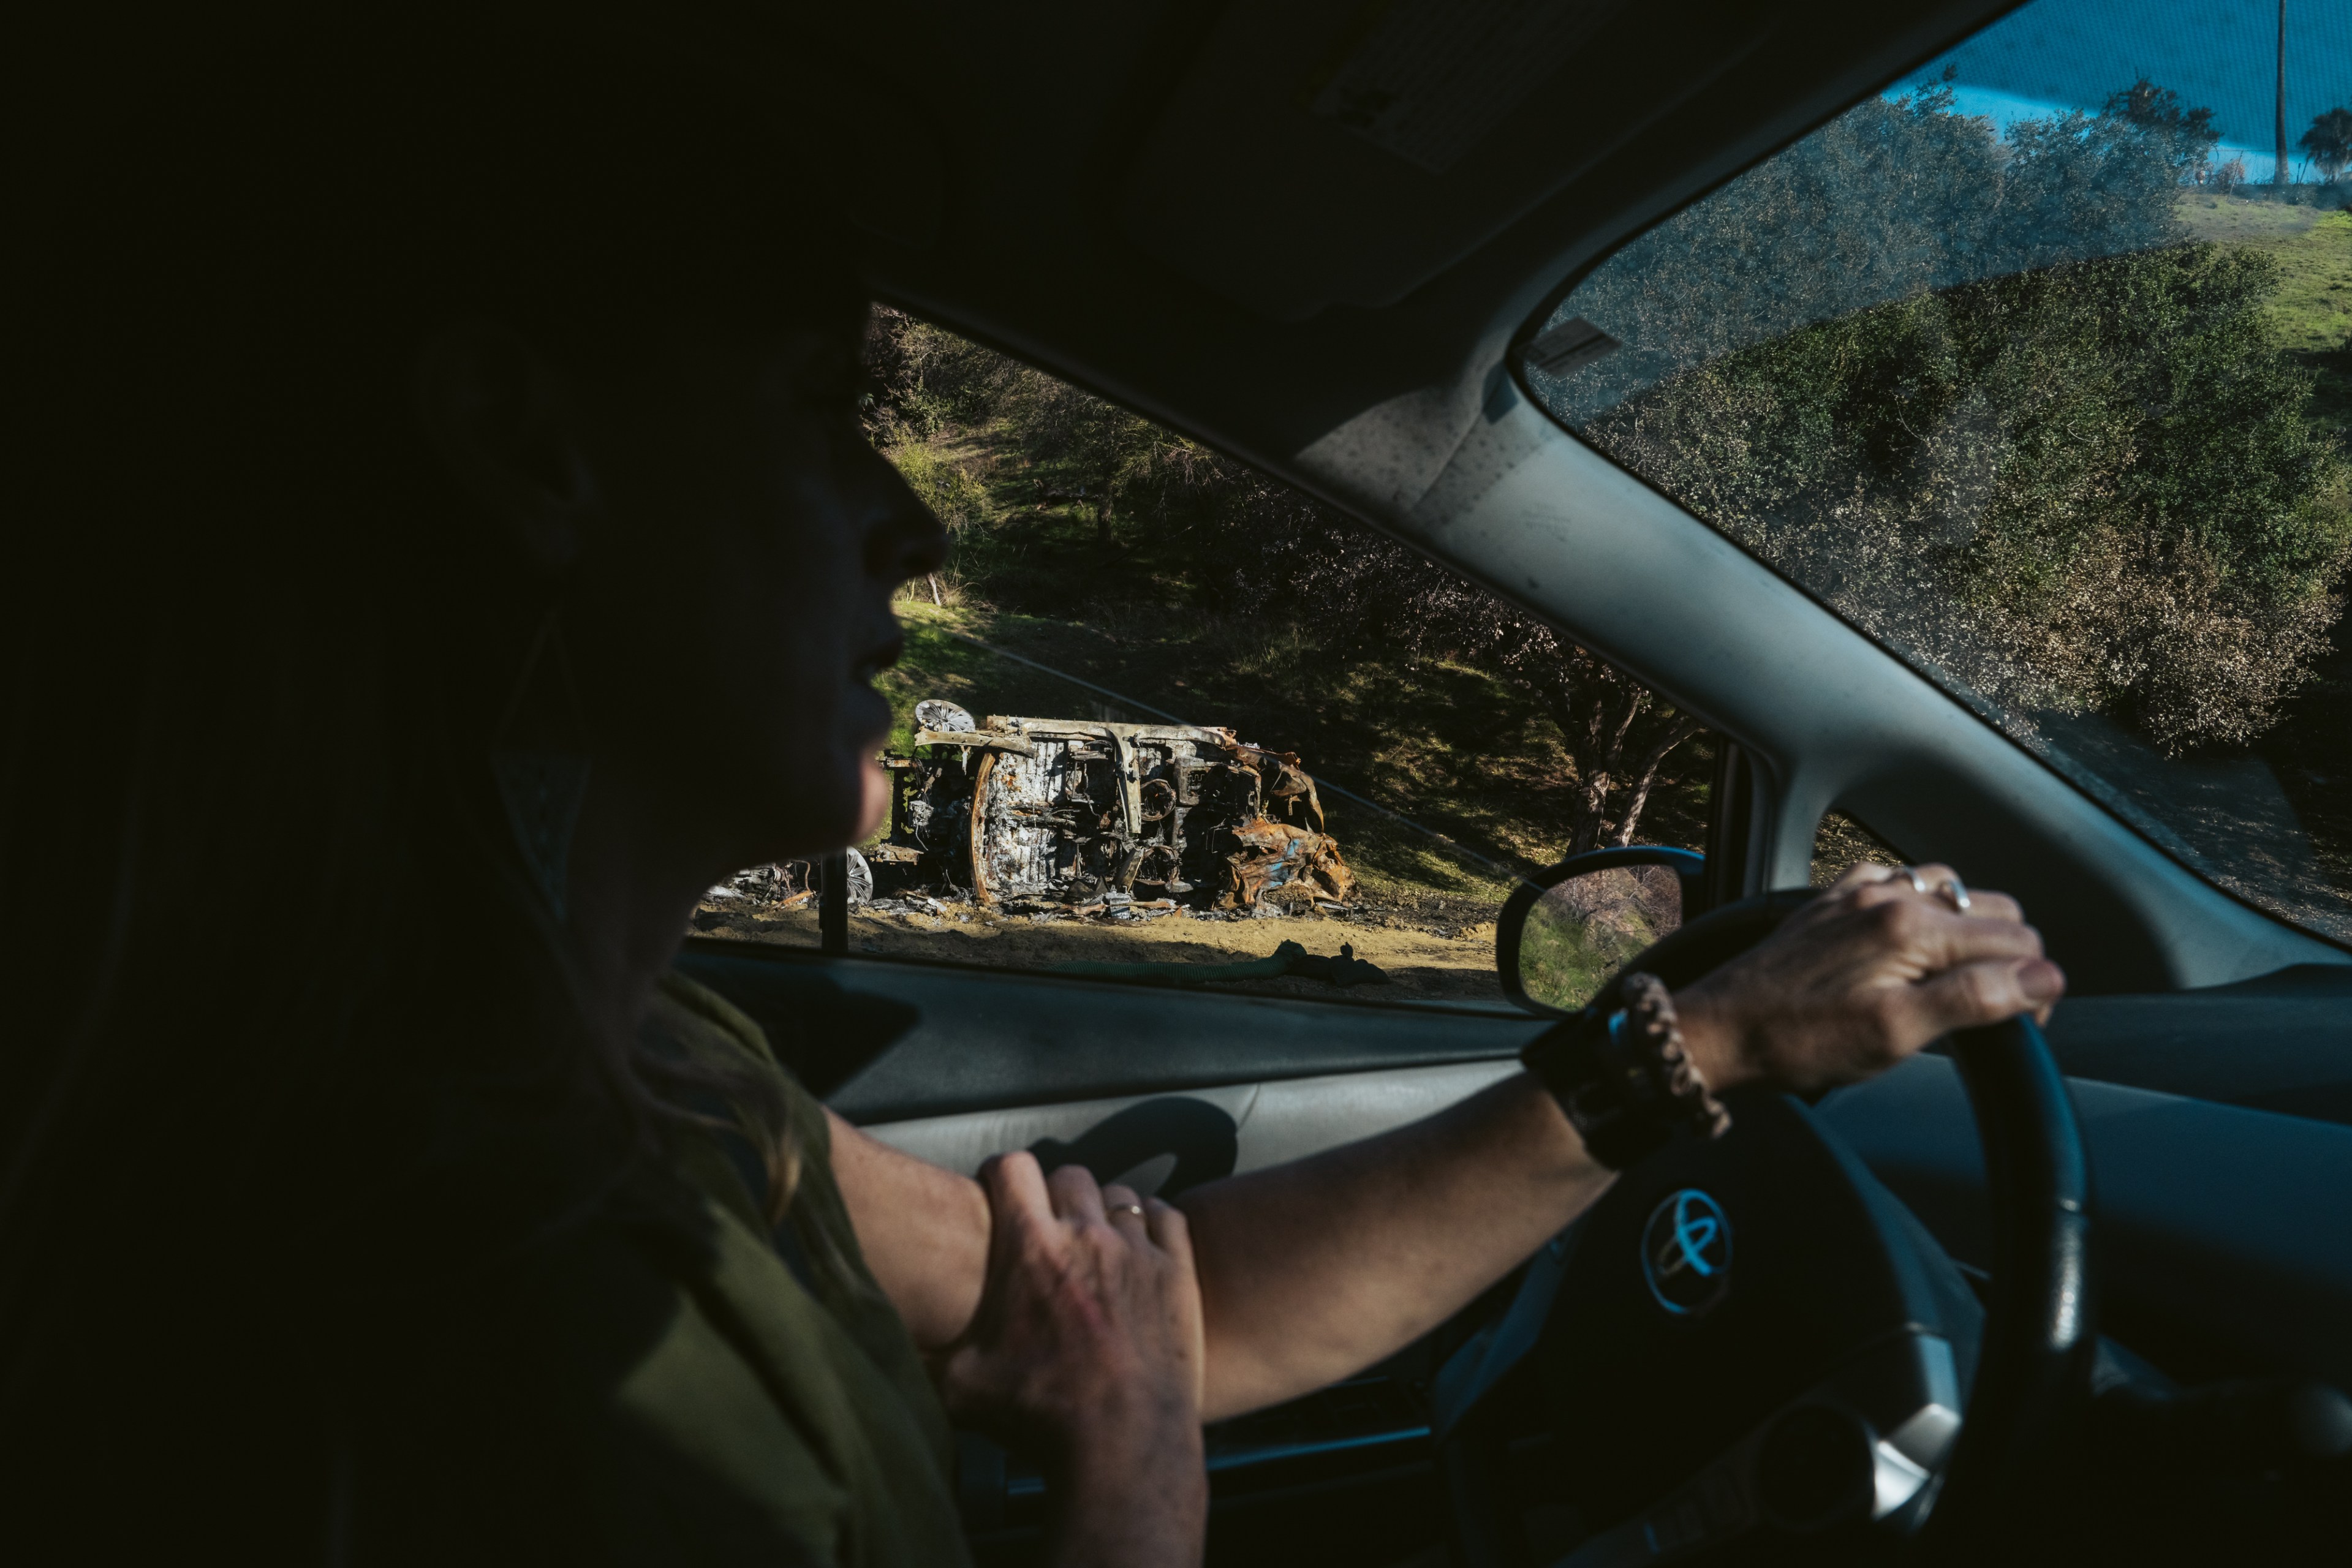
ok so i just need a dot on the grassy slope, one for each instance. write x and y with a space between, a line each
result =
2313 310
1446 744
2311 750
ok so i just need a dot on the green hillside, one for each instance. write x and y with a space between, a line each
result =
1452 748
2313 307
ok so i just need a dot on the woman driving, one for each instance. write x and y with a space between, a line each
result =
445 547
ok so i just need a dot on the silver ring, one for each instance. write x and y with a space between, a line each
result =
1918 885
1134 1208
1952 890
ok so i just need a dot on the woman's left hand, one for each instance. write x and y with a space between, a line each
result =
1089 1345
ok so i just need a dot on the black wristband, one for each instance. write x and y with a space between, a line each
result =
1622 1079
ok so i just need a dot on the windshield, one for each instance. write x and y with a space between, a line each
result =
2037 368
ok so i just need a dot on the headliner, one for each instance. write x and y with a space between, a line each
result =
1144 198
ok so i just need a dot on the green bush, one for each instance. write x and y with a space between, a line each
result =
1979 394
951 489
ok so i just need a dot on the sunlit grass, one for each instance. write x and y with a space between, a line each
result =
1563 961
2312 307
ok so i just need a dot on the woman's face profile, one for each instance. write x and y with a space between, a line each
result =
739 546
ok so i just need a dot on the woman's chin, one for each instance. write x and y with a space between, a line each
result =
846 813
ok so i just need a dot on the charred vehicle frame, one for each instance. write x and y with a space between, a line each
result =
1078 813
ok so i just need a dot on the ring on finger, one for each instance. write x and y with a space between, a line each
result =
1951 888
1911 874
1134 1208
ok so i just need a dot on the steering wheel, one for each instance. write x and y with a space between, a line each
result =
1857 1341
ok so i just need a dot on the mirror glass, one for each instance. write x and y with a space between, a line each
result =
1581 932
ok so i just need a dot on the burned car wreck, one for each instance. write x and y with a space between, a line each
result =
1081 814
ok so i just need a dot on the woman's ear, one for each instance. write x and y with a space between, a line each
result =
505 426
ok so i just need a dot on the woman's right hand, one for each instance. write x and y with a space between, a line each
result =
1876 968
1087 1347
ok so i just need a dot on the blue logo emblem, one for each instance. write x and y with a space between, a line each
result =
1687 1253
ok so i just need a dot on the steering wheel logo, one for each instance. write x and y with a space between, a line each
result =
1687 1253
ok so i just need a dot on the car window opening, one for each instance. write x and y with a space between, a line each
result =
1222 726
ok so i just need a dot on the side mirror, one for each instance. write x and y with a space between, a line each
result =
1563 933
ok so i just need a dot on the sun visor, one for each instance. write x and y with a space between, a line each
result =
1346 151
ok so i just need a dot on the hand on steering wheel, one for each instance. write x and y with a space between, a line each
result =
1878 965
1799 990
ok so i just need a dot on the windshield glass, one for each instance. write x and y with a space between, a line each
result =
2037 367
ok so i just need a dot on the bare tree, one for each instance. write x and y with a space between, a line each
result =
1618 732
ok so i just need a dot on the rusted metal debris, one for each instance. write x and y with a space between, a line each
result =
789 884
1078 813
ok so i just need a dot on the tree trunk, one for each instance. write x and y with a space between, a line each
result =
1597 710
1591 817
1597 762
1681 730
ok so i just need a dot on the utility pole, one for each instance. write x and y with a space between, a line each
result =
2278 169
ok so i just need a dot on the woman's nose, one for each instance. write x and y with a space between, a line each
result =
905 539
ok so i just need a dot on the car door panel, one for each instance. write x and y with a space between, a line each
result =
938 1040
1272 1121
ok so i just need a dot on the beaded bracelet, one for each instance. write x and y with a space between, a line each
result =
1624 1079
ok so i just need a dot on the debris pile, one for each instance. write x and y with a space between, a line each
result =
789 884
1128 820
786 885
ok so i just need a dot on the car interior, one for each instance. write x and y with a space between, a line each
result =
2098 1278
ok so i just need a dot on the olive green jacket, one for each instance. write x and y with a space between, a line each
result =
727 1394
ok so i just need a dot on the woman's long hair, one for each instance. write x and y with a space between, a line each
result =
274 991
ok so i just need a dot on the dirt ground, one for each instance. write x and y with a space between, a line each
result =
1423 963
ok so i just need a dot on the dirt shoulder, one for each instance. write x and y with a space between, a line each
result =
1423 964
